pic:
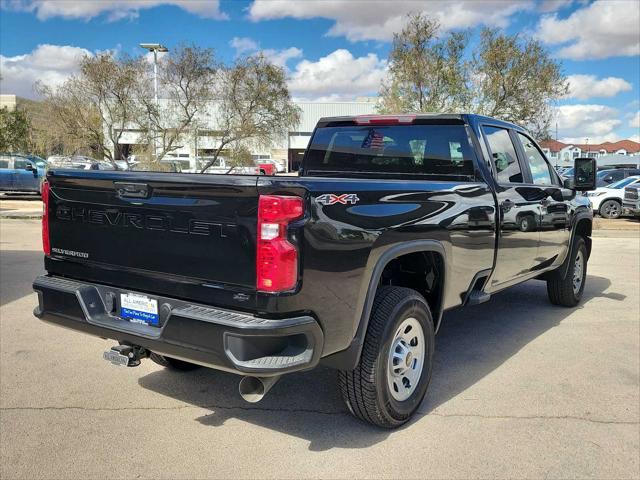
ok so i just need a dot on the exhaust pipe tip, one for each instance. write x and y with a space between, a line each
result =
253 389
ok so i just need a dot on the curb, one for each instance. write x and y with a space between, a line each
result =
21 216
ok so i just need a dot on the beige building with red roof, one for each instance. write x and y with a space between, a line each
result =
560 153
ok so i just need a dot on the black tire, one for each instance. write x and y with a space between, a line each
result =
610 209
561 289
173 363
366 389
526 223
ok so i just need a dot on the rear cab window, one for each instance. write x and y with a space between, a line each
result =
433 151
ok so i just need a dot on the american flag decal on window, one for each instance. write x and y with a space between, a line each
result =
375 140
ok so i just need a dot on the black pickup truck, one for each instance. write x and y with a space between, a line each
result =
391 221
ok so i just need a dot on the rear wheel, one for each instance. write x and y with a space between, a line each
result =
567 291
611 209
173 363
391 379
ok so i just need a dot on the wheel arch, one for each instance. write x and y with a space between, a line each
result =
348 359
605 200
583 227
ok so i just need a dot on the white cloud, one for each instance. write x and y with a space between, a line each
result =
243 45
596 122
281 57
604 28
51 64
246 45
635 138
589 86
635 121
337 76
378 20
113 9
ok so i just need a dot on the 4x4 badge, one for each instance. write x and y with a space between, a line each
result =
332 198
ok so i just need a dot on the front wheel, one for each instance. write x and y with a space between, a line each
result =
567 291
391 379
611 209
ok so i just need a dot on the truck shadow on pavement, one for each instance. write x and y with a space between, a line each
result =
472 343
18 269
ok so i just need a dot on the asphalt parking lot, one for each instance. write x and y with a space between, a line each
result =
521 389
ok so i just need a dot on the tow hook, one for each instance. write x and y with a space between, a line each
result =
125 355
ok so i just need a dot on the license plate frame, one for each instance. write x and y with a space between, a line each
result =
139 308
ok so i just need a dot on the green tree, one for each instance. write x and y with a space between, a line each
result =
426 72
14 130
509 77
515 79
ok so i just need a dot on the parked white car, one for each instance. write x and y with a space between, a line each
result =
607 201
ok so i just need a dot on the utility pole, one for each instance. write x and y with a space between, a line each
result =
155 48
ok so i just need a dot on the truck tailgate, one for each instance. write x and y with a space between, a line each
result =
200 228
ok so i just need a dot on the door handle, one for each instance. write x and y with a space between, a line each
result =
132 190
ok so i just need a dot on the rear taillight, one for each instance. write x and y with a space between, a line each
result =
276 257
46 244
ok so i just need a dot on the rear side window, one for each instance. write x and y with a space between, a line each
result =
429 150
4 162
503 154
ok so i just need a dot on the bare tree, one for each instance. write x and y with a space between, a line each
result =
187 80
96 106
253 107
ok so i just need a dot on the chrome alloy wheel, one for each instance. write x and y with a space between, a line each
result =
578 270
612 209
406 359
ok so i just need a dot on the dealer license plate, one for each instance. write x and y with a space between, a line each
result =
139 309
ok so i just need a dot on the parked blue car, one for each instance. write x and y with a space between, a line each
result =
21 173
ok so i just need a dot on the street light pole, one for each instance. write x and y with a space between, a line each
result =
155 48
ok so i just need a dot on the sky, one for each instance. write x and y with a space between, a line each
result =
336 50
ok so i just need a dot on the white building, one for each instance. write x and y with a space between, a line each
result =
8 101
288 151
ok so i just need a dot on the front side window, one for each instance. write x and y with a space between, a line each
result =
503 154
432 150
21 163
537 164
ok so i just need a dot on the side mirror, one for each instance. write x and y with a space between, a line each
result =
28 167
584 174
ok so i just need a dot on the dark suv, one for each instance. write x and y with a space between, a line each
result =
605 177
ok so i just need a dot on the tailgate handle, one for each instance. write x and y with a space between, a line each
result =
132 190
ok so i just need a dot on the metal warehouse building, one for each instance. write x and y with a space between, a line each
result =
287 151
